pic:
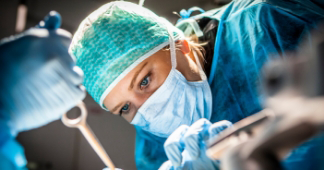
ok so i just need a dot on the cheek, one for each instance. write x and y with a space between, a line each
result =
129 117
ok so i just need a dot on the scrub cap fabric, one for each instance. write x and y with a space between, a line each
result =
113 40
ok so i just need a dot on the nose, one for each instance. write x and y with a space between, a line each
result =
140 99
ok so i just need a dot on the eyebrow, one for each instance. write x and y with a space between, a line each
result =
135 76
130 86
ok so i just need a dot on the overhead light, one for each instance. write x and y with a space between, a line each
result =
21 17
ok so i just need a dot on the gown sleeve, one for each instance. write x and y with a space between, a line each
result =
246 40
12 156
149 150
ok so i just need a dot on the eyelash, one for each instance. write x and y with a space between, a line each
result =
126 111
148 77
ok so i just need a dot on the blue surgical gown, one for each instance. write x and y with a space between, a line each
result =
12 155
250 32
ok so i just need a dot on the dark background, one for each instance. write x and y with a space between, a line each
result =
55 146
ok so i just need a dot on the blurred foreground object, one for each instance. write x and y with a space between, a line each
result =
21 16
294 91
39 79
39 82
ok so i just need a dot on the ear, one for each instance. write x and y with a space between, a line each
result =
185 48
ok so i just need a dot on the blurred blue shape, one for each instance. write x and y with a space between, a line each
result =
39 83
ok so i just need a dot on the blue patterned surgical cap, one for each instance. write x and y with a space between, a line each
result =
113 40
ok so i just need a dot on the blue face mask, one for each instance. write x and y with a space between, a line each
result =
177 102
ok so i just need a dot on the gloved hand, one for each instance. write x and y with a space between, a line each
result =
39 79
186 146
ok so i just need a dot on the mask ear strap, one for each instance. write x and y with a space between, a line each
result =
172 49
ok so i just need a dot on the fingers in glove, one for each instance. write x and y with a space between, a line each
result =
218 127
194 138
174 145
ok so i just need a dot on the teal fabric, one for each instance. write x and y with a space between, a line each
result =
250 32
12 156
248 39
114 37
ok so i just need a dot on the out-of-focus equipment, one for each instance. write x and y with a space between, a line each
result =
294 98
21 16
141 2
39 82
82 125
244 128
39 78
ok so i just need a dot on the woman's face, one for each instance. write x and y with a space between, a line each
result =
139 84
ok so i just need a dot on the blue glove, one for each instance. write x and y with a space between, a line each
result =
39 79
51 22
186 146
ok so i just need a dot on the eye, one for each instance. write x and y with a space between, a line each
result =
124 109
145 82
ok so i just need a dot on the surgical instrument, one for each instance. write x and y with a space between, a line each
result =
82 125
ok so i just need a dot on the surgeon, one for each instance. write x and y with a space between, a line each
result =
139 66
39 82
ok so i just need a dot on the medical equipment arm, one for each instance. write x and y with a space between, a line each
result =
39 78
